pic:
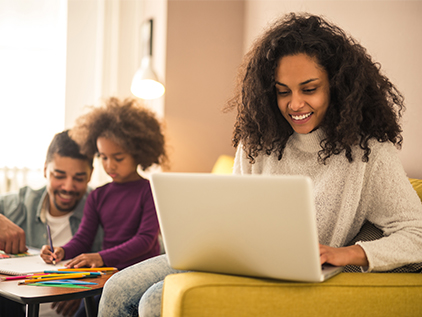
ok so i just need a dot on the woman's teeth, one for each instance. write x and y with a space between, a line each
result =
301 117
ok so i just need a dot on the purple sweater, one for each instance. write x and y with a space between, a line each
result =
126 211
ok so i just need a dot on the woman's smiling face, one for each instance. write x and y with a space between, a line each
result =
303 92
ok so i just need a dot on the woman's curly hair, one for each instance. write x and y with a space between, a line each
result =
364 104
127 123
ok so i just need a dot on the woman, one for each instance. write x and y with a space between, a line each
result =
311 101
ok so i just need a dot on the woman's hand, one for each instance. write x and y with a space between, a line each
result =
49 256
352 255
86 260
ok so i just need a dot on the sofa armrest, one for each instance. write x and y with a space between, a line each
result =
347 294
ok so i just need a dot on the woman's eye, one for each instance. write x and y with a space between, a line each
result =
119 159
308 91
282 93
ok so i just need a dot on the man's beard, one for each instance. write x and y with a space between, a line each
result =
65 209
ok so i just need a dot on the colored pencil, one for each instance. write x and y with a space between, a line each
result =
59 285
81 271
62 275
11 278
77 282
28 281
50 241
93 269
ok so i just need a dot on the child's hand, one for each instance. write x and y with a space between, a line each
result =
86 260
49 256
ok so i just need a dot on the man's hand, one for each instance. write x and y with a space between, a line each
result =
353 255
67 308
12 237
86 260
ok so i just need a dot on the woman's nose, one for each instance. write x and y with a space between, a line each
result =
296 103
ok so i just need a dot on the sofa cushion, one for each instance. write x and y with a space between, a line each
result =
223 165
347 294
417 185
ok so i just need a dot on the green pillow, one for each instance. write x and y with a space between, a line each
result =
417 185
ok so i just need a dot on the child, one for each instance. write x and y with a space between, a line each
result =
123 135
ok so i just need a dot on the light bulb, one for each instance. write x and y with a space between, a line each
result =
146 88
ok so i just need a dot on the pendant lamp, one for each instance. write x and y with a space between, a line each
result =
145 83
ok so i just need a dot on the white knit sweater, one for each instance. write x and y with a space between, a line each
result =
347 194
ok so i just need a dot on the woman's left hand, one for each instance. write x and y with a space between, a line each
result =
86 260
351 255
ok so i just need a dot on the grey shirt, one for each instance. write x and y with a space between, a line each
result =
24 209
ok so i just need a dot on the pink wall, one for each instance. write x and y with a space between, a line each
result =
204 49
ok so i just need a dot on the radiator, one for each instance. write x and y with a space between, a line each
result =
11 179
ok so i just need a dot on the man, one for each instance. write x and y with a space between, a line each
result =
24 215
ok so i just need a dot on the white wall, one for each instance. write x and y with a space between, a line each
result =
84 57
390 30
104 52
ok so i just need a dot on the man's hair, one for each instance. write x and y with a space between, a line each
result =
64 146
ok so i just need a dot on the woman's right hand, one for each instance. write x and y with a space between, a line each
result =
49 256
353 255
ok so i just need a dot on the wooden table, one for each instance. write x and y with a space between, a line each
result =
33 296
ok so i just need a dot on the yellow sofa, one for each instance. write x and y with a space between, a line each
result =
347 294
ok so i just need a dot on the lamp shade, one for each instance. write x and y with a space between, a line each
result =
145 83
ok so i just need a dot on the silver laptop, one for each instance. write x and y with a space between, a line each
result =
252 225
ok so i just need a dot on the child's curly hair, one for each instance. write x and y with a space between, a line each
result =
128 124
364 104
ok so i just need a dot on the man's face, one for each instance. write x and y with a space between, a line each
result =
67 181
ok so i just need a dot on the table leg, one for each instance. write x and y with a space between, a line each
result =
90 306
32 310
